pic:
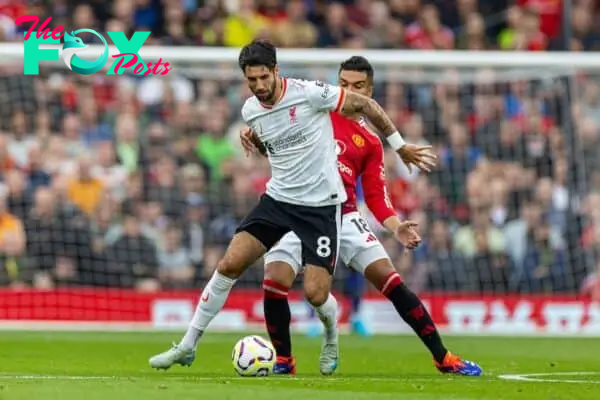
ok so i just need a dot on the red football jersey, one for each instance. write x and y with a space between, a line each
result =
360 154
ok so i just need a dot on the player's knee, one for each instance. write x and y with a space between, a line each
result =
230 269
316 291
315 294
280 273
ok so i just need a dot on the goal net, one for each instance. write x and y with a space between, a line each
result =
121 193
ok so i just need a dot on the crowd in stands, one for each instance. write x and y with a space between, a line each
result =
141 182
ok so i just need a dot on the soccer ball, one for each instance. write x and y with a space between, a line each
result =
253 356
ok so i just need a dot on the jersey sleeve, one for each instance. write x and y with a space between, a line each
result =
324 97
246 111
373 183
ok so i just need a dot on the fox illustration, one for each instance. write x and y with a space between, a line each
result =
72 45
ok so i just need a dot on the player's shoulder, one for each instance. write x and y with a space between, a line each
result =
304 83
371 137
307 87
251 108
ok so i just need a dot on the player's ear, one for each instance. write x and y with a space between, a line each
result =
276 70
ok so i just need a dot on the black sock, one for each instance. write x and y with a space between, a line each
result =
414 313
278 318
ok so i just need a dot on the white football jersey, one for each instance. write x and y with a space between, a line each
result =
298 134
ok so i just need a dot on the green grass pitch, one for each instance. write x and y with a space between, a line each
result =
94 366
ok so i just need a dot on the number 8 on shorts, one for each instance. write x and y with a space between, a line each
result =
323 246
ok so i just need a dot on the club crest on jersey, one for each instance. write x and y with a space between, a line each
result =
293 118
358 140
340 147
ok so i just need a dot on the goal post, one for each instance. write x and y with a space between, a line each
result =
510 232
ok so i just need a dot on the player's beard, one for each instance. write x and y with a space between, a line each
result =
267 97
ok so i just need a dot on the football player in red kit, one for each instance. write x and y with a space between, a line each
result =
360 155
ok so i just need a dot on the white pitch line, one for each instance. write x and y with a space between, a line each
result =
538 377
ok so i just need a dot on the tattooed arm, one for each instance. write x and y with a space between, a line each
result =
355 103
419 156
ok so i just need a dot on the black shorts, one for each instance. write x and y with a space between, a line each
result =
318 228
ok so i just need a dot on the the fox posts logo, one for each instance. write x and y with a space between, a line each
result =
73 44
128 56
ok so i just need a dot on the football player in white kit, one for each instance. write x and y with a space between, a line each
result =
360 157
304 195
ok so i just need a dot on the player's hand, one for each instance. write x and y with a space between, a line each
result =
421 157
246 135
407 235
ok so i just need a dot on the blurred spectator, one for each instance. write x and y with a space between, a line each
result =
457 161
473 36
132 258
12 243
19 199
112 175
519 232
36 173
550 12
379 18
85 191
175 268
335 31
243 24
127 143
468 239
527 34
544 267
52 242
428 33
165 189
7 162
194 231
21 140
491 268
294 30
212 145
447 269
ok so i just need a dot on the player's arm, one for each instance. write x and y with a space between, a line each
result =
248 137
251 143
374 187
355 103
379 203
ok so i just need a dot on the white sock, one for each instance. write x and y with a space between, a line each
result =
211 302
327 313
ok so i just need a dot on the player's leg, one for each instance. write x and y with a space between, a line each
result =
242 252
282 264
318 231
378 270
374 263
255 235
409 306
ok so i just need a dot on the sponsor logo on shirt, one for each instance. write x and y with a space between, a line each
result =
276 146
344 168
